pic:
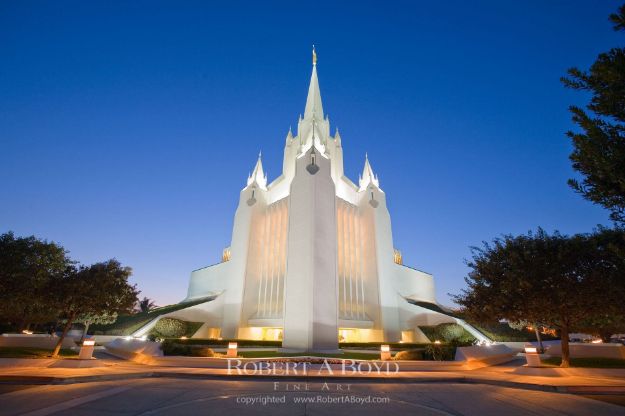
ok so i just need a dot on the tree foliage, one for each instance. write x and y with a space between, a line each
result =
99 289
599 148
87 319
553 279
145 305
27 266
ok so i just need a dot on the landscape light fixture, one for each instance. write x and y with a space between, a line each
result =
232 350
385 352
86 350
532 356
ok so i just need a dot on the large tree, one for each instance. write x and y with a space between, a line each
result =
599 146
609 245
27 265
553 279
99 289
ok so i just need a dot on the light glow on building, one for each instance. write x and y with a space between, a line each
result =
311 261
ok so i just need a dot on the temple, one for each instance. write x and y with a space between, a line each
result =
312 261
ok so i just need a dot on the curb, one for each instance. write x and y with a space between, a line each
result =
577 390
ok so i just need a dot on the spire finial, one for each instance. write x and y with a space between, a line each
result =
314 55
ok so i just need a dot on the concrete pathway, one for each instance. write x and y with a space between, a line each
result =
165 396
126 388
507 375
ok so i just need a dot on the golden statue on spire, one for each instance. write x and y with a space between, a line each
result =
314 56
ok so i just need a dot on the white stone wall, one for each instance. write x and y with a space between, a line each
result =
312 253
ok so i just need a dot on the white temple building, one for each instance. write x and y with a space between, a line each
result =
312 261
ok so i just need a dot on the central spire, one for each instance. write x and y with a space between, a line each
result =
313 101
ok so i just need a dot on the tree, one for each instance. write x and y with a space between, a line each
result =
610 244
599 149
146 305
99 289
553 279
522 325
603 326
27 265
89 318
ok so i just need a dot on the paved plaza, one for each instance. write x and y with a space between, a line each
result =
126 388
167 396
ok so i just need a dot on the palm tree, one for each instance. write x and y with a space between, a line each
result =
145 305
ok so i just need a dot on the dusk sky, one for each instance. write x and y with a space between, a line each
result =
128 129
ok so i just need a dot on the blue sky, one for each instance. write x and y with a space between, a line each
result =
127 129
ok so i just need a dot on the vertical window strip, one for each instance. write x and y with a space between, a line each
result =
362 259
270 258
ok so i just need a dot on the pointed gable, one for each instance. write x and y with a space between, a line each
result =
368 177
258 176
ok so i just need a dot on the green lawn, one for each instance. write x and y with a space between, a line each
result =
274 354
588 362
24 352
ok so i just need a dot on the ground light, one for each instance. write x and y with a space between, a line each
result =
385 352
86 350
232 350
532 357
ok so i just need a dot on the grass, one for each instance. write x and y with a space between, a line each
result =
276 354
26 352
588 362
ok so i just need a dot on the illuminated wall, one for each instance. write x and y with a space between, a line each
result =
312 259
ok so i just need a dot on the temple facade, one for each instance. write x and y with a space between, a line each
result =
312 261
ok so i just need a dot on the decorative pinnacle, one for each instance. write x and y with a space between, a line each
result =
314 56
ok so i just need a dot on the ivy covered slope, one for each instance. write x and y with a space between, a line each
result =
128 324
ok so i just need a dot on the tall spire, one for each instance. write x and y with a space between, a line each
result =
367 176
258 175
313 101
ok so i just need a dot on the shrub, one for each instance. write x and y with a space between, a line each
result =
501 331
439 352
409 355
169 328
224 342
199 351
451 332
171 347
